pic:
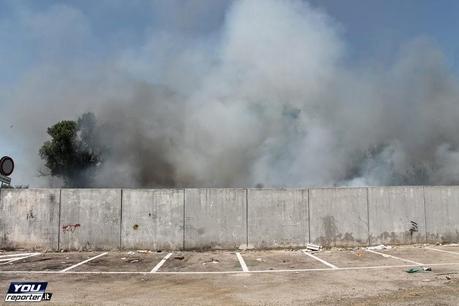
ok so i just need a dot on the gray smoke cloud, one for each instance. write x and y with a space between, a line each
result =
267 96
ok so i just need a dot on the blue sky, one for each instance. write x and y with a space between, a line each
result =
371 28
72 35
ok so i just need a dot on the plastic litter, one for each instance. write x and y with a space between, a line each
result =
312 247
419 269
179 257
380 247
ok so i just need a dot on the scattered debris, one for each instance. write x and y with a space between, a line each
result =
419 269
448 277
158 251
259 259
212 260
312 247
142 251
130 253
413 270
179 257
123 258
380 247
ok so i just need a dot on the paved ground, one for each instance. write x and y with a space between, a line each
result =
277 277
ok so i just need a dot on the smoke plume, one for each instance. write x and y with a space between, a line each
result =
268 96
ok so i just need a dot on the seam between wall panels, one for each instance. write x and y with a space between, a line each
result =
59 221
425 212
368 216
184 219
247 217
121 218
309 218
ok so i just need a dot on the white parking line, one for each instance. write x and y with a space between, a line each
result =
242 262
395 257
13 259
227 272
17 255
156 268
450 252
83 262
321 260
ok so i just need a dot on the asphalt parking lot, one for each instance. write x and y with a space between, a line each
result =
334 276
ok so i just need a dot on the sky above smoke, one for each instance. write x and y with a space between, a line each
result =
235 93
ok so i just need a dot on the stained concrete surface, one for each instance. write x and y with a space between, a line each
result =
338 216
29 218
152 219
278 218
280 260
396 215
215 218
90 219
202 261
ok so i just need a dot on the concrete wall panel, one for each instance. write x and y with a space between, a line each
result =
215 218
278 217
29 218
442 214
396 215
90 219
338 216
152 219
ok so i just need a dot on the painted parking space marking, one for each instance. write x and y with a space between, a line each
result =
16 257
395 257
444 251
321 260
53 263
83 262
227 272
156 268
242 262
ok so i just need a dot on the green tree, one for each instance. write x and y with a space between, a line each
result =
71 153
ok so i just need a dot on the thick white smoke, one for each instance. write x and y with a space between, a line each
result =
267 98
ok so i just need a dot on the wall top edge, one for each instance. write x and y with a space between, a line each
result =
241 188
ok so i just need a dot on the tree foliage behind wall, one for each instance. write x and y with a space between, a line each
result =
72 152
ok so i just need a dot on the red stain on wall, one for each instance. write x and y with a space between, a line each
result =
70 227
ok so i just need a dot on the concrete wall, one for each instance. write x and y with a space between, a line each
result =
278 218
338 216
152 219
29 218
396 215
215 218
90 219
442 214
171 219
